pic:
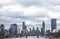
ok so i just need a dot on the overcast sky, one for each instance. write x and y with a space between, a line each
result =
33 12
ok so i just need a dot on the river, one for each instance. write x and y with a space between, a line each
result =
30 37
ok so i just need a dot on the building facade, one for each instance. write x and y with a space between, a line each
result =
43 29
53 24
24 30
13 29
33 31
23 26
37 31
2 30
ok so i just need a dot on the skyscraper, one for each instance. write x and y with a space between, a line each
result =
33 31
24 29
18 31
13 29
43 29
23 25
2 27
53 24
37 31
2 30
30 31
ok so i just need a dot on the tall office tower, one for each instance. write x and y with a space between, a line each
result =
33 31
24 28
30 30
2 30
37 28
18 31
41 32
53 24
23 25
13 29
37 31
2 27
43 28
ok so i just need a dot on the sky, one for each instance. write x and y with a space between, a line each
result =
32 12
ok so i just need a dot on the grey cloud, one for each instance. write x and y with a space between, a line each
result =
12 14
40 15
28 2
21 15
38 2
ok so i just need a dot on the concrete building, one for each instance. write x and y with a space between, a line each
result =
47 31
24 29
43 29
13 29
30 32
37 31
2 30
53 24
19 31
6 31
34 31
23 26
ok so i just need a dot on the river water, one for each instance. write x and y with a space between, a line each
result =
30 37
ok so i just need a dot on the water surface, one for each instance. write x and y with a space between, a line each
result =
30 37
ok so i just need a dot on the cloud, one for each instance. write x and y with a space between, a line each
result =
33 12
38 2
29 12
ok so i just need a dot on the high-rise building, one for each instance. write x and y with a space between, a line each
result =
2 30
24 29
13 29
37 31
18 31
33 31
2 27
23 25
30 31
41 31
43 28
53 24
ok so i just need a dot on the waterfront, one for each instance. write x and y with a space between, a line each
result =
30 37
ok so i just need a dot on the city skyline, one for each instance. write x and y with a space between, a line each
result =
15 31
32 12
24 26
